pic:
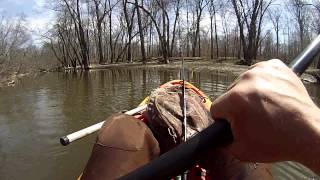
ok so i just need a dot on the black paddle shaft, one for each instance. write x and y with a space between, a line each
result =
218 134
304 59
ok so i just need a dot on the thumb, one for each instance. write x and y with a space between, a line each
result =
220 108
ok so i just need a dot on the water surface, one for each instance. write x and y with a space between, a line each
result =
35 113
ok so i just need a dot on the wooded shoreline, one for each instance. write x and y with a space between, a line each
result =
127 33
312 75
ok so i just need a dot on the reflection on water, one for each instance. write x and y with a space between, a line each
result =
37 112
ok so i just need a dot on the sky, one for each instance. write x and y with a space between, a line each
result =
38 17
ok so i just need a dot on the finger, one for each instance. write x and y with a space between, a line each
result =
244 76
273 63
276 62
220 108
259 64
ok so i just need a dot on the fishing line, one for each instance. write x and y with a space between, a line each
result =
182 76
184 105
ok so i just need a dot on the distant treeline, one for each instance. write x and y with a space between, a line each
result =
18 54
111 31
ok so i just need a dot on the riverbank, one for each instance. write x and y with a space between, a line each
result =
311 75
199 65
11 78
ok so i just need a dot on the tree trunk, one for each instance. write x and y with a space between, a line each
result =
110 35
129 23
99 19
100 51
199 45
216 33
77 22
143 51
82 40
211 37
150 43
196 37
198 19
250 18
174 27
188 32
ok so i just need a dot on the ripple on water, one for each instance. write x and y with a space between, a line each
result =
56 151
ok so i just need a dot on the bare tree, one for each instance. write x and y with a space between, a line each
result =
110 34
116 32
199 7
316 23
143 51
188 28
164 47
100 15
15 47
75 12
316 20
13 36
275 17
299 9
249 17
225 19
129 25
177 13
212 8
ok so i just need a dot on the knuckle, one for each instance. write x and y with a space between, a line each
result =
260 64
248 75
276 63
273 64
239 94
236 95
259 88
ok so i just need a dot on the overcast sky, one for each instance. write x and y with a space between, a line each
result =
37 16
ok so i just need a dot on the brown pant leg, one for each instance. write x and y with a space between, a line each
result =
123 144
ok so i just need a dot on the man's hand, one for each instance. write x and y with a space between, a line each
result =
272 116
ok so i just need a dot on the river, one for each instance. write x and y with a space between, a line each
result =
39 110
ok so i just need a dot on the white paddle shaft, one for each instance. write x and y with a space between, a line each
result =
91 129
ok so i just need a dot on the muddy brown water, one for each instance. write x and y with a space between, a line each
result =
35 113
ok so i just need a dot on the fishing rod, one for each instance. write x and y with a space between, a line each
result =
183 90
184 105
218 134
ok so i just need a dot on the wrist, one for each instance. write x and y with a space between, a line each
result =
310 148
